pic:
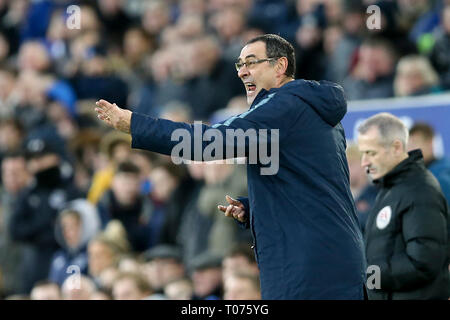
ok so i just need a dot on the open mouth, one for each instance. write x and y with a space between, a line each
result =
250 87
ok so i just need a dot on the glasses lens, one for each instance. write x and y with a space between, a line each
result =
238 66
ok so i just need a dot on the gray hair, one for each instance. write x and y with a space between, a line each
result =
389 126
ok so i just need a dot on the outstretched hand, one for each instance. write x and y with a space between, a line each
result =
113 116
235 209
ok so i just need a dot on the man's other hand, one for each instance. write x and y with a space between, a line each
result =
113 116
234 209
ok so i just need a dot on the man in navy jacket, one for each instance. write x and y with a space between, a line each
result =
301 212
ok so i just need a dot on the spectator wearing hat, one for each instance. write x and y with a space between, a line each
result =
34 215
206 270
162 265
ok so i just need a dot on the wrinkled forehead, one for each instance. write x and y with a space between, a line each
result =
253 50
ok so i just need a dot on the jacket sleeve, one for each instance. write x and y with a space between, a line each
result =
167 137
424 234
246 203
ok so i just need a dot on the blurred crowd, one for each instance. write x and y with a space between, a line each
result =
82 215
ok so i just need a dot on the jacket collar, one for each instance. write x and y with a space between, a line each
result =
392 177
263 92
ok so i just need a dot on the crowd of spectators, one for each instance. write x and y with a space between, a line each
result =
82 215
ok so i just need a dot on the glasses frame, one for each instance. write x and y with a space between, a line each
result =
248 64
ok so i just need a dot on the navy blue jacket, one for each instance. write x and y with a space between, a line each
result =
307 240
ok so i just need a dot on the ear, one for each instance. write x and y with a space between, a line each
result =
398 147
282 65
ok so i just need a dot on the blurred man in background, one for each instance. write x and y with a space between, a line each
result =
373 74
421 137
35 212
239 259
363 190
242 286
124 202
163 264
131 286
15 178
206 274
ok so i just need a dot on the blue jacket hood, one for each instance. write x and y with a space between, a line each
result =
325 97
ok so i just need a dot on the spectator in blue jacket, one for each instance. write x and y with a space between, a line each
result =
300 209
421 136
75 227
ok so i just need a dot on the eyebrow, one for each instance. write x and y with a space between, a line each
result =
249 56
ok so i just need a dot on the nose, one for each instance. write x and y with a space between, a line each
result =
243 72
365 162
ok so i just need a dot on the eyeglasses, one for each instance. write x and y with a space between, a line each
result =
251 63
